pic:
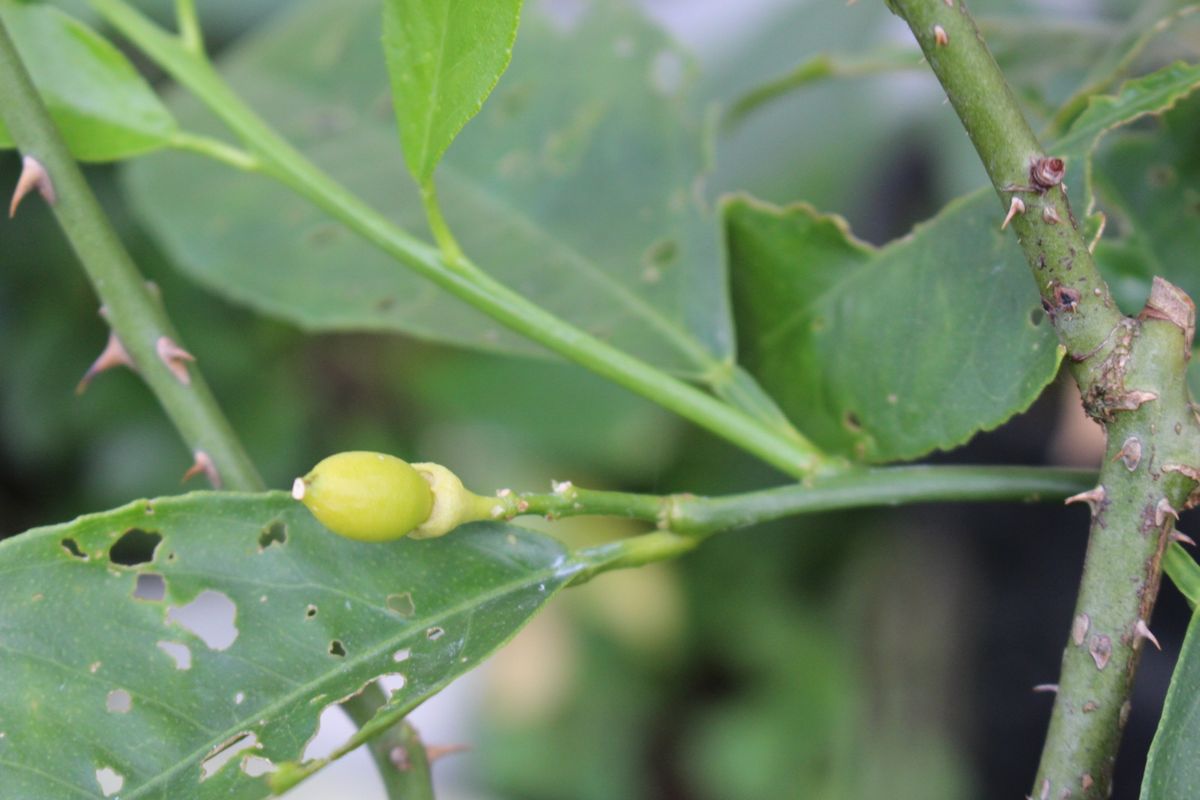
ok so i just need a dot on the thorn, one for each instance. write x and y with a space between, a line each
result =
1079 628
1164 510
436 751
1086 782
1093 497
203 463
950 3
1050 215
1142 631
1045 795
1017 206
33 174
175 357
1130 453
1101 650
114 354
298 488
939 36
1051 688
1182 538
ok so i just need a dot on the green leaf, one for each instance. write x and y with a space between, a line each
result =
444 59
886 354
106 681
102 106
576 185
1172 769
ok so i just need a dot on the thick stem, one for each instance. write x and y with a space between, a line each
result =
776 444
1131 375
134 311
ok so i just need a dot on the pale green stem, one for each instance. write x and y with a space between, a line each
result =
191 35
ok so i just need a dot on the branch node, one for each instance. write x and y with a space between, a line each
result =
1047 172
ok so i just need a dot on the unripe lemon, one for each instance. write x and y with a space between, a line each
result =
371 497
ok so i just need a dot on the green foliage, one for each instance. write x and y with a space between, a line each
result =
444 59
104 109
575 186
853 342
1172 770
308 619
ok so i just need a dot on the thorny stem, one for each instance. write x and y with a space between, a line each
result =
134 311
1131 375
777 444
398 752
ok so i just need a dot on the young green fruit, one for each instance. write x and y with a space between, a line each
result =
374 497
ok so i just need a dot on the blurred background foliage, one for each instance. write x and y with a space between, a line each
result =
865 655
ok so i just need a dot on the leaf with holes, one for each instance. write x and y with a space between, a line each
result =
889 353
576 185
185 647
102 106
444 59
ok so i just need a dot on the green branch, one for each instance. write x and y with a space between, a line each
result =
1131 376
398 752
778 445
888 486
133 309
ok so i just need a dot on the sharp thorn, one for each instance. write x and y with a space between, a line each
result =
1182 538
114 354
1093 497
1142 631
1017 206
434 752
1052 688
175 358
1163 510
33 176
203 464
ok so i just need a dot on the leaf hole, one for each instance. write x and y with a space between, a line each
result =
402 604
1036 316
434 633
257 766
401 655
851 422
225 752
110 781
72 548
310 612
210 617
392 682
275 533
150 586
336 648
239 698
135 547
180 653
118 701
